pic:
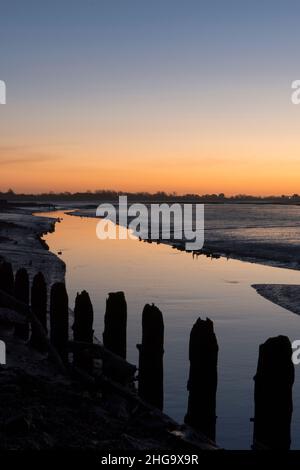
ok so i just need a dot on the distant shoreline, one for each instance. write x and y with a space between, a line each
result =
226 245
95 197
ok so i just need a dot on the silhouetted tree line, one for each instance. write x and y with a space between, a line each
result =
111 195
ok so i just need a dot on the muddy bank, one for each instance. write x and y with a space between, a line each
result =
284 295
43 407
257 241
21 244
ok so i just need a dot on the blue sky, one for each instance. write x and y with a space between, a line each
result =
81 74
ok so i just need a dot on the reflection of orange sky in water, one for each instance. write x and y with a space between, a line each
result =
118 262
183 288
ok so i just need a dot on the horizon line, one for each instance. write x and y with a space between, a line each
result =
162 193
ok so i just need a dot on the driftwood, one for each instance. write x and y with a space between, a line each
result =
115 366
10 302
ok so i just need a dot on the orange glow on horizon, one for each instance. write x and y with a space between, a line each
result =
260 181
192 176
223 160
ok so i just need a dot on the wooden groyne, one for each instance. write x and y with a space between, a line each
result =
203 378
151 351
43 322
115 324
273 399
21 292
97 368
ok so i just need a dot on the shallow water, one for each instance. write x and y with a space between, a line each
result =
184 288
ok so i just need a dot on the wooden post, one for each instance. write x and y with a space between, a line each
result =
202 383
7 278
39 309
59 319
83 330
151 351
12 303
22 294
115 324
273 395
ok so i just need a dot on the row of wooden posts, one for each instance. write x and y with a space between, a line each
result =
273 380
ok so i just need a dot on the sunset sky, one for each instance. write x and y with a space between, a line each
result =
186 96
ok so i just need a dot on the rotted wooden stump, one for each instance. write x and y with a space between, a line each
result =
273 398
203 378
39 309
115 324
83 330
7 283
59 319
21 291
151 352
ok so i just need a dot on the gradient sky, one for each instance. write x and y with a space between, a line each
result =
189 95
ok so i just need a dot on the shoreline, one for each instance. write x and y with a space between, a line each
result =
21 243
41 408
286 296
35 368
228 247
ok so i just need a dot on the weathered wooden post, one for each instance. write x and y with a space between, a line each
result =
203 378
115 324
83 330
59 319
273 395
22 294
6 278
151 351
39 309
